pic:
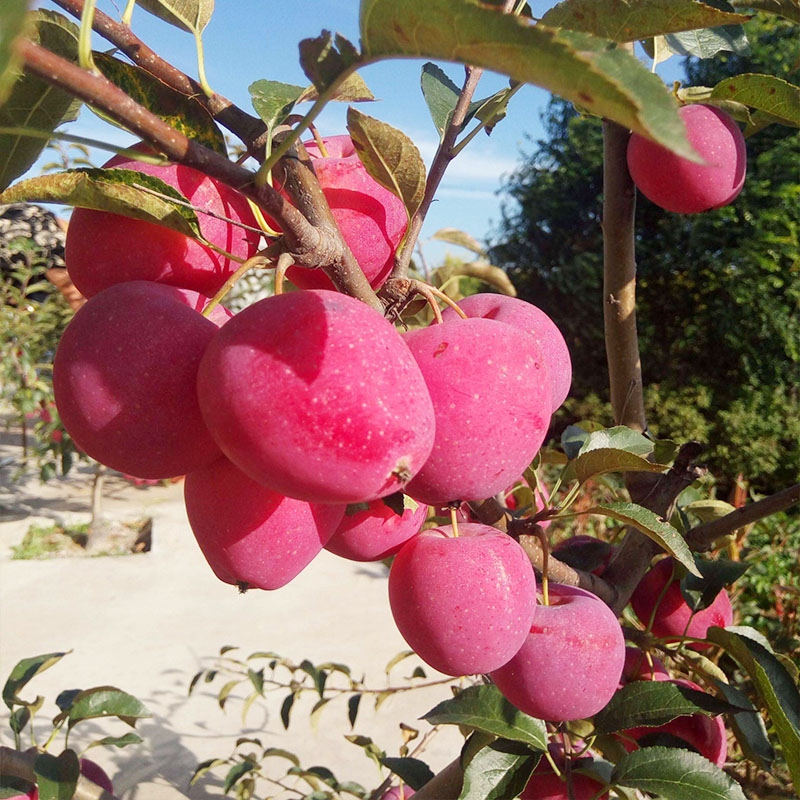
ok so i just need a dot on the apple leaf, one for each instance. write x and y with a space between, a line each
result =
775 688
57 776
327 58
748 727
24 671
653 526
113 190
498 771
602 460
104 701
604 80
440 93
412 771
12 24
484 708
707 42
390 157
176 109
766 93
675 775
700 593
789 9
709 509
117 741
33 103
654 703
274 101
460 238
189 15
352 89
629 20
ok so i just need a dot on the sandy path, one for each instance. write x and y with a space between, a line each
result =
147 623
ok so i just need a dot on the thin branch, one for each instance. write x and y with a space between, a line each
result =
247 127
703 536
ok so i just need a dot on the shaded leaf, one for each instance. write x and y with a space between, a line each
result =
117 741
390 157
353 703
653 703
710 509
790 9
19 719
113 190
257 679
326 58
608 82
24 671
235 773
675 775
65 698
225 691
12 24
352 89
203 767
176 109
460 238
600 461
441 96
189 15
33 103
629 20
485 709
774 96
395 502
286 709
499 771
777 691
395 660
707 42
106 701
317 710
749 728
653 526
56 776
412 771
700 593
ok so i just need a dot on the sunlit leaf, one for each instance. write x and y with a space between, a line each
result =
190 15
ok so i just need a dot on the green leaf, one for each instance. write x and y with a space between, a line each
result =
106 701
396 659
12 24
117 741
775 688
748 727
389 156
353 703
790 9
441 95
627 21
708 510
286 709
224 692
33 103
653 526
19 719
707 42
352 89
274 101
600 461
675 775
56 777
766 93
176 109
460 238
24 671
619 437
654 703
572 440
113 190
412 771
606 81
327 58
700 593
203 767
235 773
317 710
485 709
257 679
499 771
189 15
278 752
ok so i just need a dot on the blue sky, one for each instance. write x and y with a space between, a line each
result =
247 40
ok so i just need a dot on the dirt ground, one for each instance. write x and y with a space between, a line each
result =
146 623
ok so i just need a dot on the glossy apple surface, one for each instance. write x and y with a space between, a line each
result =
464 604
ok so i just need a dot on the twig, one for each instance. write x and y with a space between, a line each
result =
703 536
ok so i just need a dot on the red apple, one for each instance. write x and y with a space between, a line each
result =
316 396
638 668
464 604
571 661
398 793
673 617
526 317
251 536
677 184
491 396
544 784
104 249
124 379
585 552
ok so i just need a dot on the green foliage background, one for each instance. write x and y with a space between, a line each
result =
719 293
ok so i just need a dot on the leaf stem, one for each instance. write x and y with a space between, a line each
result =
128 13
85 59
201 63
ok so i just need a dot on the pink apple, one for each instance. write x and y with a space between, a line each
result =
526 317
544 784
103 249
316 396
571 661
638 668
585 552
491 396
124 379
376 532
464 604
677 184
250 535
372 219
398 793
673 617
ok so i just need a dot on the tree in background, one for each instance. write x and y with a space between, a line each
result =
719 293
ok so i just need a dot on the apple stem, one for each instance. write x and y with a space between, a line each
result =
323 151
284 262
542 537
258 259
425 291
453 517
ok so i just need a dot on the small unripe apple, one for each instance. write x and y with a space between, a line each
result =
526 317
103 249
570 663
398 793
677 184
673 617
463 603
251 536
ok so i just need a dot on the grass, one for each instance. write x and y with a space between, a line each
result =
53 541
